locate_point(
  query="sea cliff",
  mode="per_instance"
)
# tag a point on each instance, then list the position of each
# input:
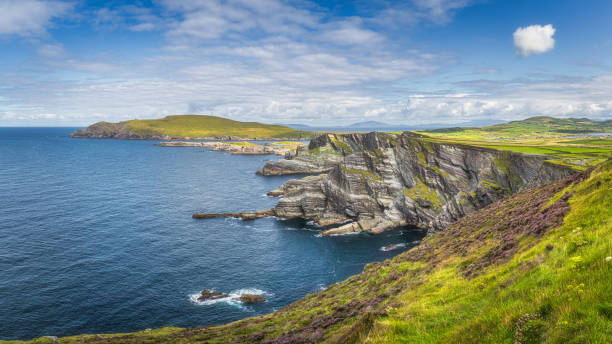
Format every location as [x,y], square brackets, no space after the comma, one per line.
[376,181]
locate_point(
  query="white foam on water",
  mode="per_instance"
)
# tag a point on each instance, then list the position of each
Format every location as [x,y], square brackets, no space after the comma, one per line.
[233,298]
[392,247]
[345,234]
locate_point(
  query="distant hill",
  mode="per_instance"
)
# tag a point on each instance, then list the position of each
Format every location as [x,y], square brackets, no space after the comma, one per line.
[369,124]
[540,126]
[381,126]
[188,126]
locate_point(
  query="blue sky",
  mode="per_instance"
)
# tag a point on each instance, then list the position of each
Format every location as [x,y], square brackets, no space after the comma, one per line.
[312,62]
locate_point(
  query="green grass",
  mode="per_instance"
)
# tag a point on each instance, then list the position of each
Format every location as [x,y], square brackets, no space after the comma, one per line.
[201,126]
[363,174]
[421,191]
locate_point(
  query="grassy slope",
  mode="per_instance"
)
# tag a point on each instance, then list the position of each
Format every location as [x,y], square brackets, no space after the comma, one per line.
[531,127]
[523,270]
[203,126]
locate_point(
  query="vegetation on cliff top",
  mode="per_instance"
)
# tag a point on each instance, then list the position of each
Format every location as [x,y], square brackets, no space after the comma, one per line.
[527,269]
[533,127]
[197,126]
[578,153]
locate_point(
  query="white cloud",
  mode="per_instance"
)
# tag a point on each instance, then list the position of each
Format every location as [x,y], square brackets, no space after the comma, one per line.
[534,39]
[349,33]
[211,19]
[142,27]
[29,17]
[51,50]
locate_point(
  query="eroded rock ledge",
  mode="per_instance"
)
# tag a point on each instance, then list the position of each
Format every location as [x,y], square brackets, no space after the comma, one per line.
[244,148]
[377,181]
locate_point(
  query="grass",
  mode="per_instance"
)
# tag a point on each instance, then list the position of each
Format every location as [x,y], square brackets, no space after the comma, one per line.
[537,135]
[363,174]
[578,153]
[542,127]
[422,192]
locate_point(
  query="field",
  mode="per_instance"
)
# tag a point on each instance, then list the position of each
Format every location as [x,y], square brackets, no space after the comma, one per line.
[535,127]
[538,135]
[579,153]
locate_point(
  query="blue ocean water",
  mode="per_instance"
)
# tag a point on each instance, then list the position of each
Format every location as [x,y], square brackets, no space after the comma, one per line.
[96,236]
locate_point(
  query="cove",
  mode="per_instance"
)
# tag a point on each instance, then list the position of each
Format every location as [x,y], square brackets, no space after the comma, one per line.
[97,237]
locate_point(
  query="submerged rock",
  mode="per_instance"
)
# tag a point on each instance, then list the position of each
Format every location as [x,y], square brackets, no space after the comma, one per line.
[245,215]
[251,298]
[206,295]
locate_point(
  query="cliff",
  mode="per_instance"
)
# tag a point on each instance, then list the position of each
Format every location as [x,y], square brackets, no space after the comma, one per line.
[372,182]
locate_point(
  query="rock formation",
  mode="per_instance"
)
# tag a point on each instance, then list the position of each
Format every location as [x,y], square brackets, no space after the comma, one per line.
[206,295]
[244,148]
[376,181]
[251,298]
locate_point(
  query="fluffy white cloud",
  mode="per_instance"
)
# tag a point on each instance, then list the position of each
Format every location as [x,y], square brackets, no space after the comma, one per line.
[29,17]
[534,39]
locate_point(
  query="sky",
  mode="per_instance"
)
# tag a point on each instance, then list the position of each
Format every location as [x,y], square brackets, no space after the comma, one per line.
[321,63]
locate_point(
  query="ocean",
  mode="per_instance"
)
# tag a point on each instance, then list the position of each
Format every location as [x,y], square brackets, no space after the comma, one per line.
[96,236]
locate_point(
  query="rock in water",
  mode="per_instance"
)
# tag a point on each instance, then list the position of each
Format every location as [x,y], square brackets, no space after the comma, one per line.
[251,298]
[211,295]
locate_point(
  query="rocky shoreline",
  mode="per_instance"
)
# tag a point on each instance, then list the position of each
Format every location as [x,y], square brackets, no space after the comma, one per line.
[375,182]
[287,148]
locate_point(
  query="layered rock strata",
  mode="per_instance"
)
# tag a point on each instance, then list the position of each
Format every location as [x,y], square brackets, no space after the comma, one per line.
[376,181]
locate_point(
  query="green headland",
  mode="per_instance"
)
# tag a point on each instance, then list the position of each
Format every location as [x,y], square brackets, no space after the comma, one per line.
[189,127]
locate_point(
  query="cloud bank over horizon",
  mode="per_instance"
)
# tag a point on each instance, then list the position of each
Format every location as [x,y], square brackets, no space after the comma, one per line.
[286,62]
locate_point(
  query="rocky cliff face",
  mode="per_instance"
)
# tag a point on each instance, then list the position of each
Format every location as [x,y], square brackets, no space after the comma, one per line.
[106,130]
[372,182]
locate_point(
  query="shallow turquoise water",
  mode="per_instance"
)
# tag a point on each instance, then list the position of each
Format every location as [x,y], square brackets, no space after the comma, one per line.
[96,236]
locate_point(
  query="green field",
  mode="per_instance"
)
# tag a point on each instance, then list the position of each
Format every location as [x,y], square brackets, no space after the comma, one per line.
[535,127]
[579,153]
[538,135]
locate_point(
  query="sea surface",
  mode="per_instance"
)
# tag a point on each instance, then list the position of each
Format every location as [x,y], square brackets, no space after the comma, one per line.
[96,236]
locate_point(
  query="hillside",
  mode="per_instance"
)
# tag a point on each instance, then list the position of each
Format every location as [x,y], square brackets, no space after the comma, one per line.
[534,127]
[188,127]
[530,268]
